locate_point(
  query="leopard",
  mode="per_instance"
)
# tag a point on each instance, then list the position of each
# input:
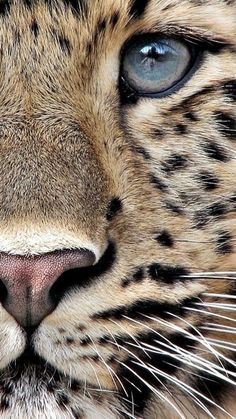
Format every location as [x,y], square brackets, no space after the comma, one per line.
[117,209]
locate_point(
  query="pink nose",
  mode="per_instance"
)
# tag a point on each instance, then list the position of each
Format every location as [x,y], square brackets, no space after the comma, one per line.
[26,282]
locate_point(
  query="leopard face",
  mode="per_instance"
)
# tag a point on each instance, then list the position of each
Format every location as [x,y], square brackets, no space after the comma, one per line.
[117,209]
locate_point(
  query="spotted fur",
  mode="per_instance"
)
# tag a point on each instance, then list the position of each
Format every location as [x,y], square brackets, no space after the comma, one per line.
[147,184]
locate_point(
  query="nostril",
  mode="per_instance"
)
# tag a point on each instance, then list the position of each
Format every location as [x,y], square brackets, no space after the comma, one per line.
[82,277]
[3,292]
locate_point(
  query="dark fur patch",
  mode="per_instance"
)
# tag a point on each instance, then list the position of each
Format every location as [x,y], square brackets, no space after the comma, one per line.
[115,18]
[215,151]
[62,399]
[141,150]
[174,208]
[140,308]
[138,8]
[167,273]
[227,124]
[158,183]
[174,162]
[229,89]
[35,28]
[65,44]
[191,116]
[203,216]
[180,129]
[115,206]
[136,277]
[224,243]
[165,239]
[4,7]
[208,180]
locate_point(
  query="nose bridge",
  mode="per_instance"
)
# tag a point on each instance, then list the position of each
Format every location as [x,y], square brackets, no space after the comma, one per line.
[52,173]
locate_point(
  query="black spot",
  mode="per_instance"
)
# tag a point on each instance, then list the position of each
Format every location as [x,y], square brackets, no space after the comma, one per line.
[77,6]
[125,282]
[167,273]
[208,180]
[61,330]
[7,389]
[158,133]
[102,25]
[216,152]
[103,340]
[227,124]
[230,89]
[85,341]
[140,308]
[82,277]
[158,183]
[218,209]
[138,8]
[115,18]
[165,239]
[203,216]
[4,403]
[141,150]
[89,48]
[224,243]
[70,340]
[180,129]
[194,99]
[65,44]
[174,162]
[75,385]
[4,7]
[62,399]
[174,208]
[138,275]
[191,116]
[35,28]
[115,206]
[52,387]
[77,414]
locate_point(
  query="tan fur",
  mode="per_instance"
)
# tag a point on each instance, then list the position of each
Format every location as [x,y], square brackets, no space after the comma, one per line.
[67,148]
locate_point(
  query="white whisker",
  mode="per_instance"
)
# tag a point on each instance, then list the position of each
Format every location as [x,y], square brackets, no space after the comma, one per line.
[202,339]
[229,296]
[221,330]
[186,387]
[209,313]
[154,390]
[220,306]
[221,326]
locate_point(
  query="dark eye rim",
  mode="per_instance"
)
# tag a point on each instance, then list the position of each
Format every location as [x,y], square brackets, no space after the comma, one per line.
[196,53]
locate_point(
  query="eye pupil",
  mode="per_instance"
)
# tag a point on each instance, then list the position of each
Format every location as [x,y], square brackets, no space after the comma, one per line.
[152,65]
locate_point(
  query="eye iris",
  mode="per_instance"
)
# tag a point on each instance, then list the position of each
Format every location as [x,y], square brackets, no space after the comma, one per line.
[155,65]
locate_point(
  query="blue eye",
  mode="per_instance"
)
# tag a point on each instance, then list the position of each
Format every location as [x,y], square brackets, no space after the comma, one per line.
[152,65]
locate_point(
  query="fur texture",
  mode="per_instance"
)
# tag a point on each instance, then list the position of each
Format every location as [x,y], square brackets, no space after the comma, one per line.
[149,186]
